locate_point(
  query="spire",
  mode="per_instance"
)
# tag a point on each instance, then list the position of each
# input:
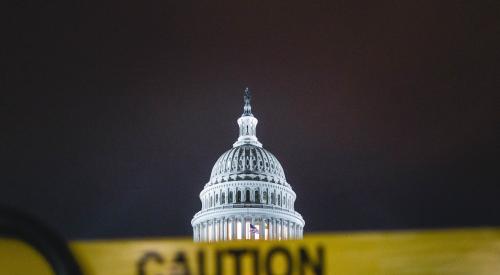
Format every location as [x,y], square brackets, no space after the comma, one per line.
[247,109]
[248,124]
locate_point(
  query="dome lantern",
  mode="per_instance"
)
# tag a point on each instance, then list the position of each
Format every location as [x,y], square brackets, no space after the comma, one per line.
[248,124]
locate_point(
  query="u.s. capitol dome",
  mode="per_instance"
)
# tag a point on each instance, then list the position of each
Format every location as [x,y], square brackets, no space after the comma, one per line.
[247,196]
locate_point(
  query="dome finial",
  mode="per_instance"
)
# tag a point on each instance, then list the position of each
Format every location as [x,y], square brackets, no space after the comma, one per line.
[247,109]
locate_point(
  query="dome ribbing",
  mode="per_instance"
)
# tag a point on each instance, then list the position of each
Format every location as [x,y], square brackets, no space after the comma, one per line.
[247,162]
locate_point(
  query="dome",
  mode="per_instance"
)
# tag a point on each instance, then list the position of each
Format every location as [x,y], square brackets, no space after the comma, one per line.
[247,196]
[247,162]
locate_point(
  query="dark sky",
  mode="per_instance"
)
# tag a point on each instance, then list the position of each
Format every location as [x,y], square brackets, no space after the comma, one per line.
[384,114]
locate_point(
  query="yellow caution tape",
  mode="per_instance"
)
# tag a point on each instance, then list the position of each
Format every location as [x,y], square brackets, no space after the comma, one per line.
[18,258]
[469,251]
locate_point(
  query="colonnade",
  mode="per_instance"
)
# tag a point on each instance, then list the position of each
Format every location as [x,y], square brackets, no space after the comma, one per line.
[240,228]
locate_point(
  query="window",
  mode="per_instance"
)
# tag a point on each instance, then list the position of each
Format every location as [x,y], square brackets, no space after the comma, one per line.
[230,199]
[273,198]
[257,196]
[279,200]
[210,201]
[265,197]
[238,196]
[216,198]
[247,196]
[223,198]
[238,230]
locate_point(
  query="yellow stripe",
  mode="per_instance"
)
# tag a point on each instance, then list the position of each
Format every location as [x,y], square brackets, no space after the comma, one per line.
[468,251]
[18,258]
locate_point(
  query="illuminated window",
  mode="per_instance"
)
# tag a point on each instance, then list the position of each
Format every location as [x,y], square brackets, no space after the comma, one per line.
[247,230]
[257,234]
[278,231]
[217,231]
[209,233]
[238,230]
[266,230]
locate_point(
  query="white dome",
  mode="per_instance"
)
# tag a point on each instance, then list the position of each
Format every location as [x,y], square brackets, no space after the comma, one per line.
[247,162]
[247,196]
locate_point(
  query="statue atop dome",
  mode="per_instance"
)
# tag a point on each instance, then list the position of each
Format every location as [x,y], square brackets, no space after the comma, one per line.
[247,109]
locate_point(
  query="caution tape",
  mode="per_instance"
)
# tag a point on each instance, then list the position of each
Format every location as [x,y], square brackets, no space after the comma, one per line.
[470,251]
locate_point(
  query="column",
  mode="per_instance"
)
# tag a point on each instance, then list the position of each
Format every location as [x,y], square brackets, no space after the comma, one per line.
[226,229]
[233,228]
[285,235]
[206,231]
[252,235]
[217,230]
[283,230]
[262,228]
[212,238]
[203,233]
[220,227]
[243,228]
[198,232]
[289,230]
[227,224]
[277,230]
[275,235]
[214,230]
[207,238]
[223,231]
[269,228]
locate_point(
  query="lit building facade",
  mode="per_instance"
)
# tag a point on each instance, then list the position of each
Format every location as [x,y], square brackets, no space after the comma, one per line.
[247,196]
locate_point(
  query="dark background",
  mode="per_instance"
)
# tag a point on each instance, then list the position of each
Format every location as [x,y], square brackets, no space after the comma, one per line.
[384,115]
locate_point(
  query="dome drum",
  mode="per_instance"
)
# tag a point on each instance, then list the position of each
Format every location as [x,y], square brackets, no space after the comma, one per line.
[247,192]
